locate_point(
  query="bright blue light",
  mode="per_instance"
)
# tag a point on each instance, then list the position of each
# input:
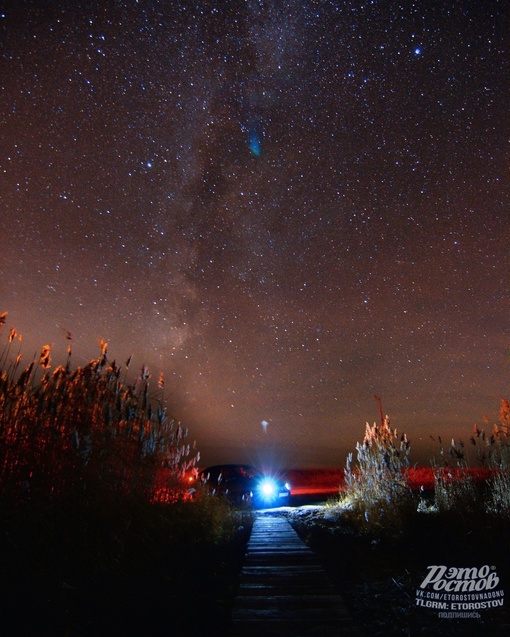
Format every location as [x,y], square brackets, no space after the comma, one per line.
[268,488]
[417,51]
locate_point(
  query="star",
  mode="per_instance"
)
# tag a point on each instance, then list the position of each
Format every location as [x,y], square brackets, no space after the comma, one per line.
[202,187]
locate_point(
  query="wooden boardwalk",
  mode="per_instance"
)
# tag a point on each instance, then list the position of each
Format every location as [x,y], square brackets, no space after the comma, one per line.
[284,590]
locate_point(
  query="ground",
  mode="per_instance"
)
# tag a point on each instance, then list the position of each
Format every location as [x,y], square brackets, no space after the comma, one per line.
[379,578]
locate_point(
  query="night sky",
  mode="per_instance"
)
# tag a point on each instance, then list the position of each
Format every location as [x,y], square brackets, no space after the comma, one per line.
[286,207]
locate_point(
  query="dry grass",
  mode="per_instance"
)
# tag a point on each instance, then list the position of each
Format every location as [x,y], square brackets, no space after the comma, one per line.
[498,502]
[458,489]
[86,430]
[376,496]
[98,533]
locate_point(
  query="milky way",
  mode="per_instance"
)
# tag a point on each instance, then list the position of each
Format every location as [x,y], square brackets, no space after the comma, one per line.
[287,207]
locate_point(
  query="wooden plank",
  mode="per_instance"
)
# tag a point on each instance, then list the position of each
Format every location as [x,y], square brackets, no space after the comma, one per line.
[284,590]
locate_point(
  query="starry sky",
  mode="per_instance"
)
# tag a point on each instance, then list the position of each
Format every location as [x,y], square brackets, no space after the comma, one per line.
[286,207]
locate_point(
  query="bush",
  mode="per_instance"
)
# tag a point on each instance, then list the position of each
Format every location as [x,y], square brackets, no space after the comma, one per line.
[498,453]
[453,485]
[377,496]
[86,431]
[459,490]
[98,533]
[126,567]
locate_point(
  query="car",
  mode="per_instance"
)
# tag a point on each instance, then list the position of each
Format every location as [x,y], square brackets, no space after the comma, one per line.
[244,484]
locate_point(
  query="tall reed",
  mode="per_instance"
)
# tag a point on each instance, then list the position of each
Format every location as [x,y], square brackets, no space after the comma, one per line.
[377,495]
[85,430]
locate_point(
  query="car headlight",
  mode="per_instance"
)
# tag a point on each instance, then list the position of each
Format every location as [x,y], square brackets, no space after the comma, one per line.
[267,488]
